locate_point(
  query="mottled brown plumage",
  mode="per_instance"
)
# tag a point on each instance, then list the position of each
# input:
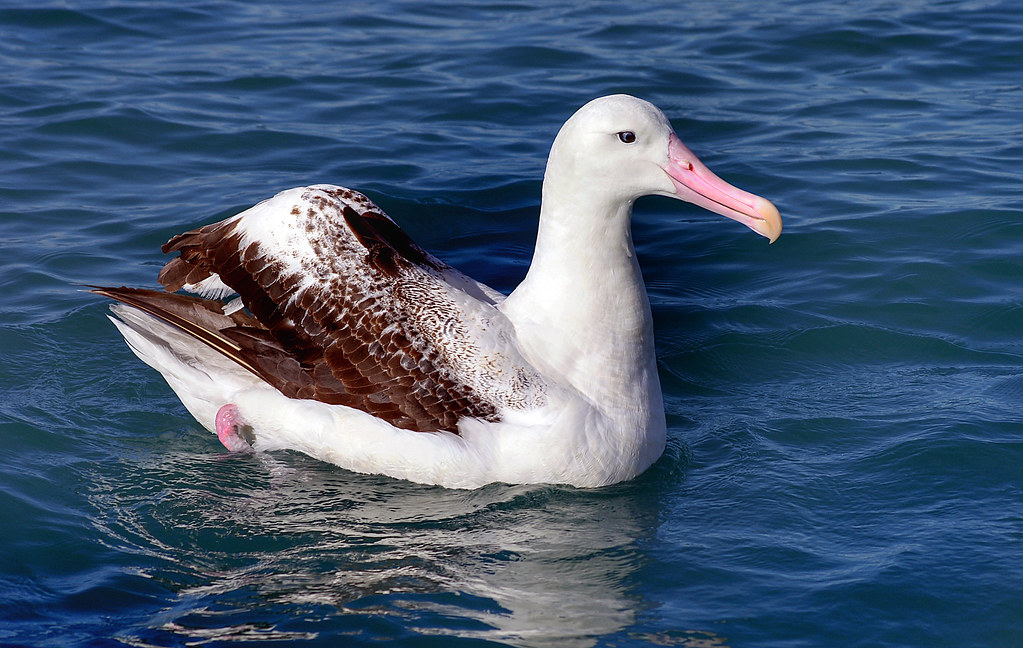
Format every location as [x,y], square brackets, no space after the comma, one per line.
[347,336]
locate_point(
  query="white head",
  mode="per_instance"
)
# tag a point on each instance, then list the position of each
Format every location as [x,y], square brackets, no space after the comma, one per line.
[621,148]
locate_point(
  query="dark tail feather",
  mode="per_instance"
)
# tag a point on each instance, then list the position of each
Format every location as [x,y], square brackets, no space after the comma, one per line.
[240,337]
[203,319]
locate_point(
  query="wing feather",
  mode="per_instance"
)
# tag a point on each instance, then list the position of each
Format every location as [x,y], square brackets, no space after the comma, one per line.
[345,308]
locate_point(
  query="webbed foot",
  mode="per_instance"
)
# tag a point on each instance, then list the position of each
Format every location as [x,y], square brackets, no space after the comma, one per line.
[233,430]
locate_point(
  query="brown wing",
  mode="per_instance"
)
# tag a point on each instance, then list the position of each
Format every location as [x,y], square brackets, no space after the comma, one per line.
[327,278]
[241,338]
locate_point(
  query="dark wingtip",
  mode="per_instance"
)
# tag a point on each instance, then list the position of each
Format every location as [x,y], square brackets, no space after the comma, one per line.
[388,245]
[103,291]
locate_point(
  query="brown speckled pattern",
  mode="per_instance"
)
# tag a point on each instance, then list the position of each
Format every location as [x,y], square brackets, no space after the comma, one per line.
[348,317]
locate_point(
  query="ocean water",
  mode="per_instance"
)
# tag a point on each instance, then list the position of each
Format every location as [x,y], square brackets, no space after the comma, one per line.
[845,407]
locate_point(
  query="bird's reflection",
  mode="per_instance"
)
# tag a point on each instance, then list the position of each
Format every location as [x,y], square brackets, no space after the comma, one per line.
[258,546]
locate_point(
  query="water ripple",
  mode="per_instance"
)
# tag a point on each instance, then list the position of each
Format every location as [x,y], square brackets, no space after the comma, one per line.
[843,405]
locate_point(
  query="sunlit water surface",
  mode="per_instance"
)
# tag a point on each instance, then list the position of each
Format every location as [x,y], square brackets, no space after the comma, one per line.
[845,460]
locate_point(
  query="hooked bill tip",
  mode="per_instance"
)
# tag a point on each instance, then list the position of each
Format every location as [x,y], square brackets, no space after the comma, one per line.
[769,219]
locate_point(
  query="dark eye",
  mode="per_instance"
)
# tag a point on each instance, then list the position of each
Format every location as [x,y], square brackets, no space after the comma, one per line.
[627,136]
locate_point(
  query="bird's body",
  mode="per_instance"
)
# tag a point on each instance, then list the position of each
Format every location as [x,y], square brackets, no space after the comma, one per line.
[359,348]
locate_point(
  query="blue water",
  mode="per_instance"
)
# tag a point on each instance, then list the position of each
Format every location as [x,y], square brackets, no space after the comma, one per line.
[845,407]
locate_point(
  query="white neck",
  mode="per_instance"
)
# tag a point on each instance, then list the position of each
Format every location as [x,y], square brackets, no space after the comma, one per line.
[582,311]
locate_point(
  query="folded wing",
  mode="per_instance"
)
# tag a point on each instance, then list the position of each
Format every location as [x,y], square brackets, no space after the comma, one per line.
[343,307]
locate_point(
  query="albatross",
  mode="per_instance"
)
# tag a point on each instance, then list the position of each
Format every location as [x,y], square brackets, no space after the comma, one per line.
[315,324]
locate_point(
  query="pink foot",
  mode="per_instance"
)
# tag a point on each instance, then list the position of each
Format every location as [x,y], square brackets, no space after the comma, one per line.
[232,429]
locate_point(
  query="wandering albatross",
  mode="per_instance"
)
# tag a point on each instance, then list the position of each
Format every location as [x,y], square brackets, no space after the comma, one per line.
[350,343]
